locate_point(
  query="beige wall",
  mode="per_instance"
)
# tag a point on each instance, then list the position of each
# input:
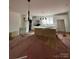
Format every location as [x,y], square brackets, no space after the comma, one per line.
[14,21]
[66,20]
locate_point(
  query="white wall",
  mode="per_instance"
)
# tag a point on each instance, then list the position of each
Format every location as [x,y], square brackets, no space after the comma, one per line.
[24,24]
[66,20]
[14,21]
[41,24]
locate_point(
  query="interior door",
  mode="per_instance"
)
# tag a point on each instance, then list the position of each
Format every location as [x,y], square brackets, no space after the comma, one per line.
[60,25]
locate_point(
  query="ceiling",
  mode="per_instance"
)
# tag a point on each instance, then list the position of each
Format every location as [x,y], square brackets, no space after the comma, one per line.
[39,7]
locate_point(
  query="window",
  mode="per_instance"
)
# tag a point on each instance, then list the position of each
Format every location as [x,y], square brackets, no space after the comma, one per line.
[47,21]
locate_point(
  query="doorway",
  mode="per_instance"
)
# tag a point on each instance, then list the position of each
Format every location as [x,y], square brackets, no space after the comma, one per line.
[61,25]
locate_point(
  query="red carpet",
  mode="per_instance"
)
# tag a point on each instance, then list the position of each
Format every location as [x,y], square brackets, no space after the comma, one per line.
[34,48]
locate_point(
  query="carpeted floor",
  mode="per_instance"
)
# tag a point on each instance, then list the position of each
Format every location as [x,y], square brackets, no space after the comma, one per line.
[64,37]
[35,48]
